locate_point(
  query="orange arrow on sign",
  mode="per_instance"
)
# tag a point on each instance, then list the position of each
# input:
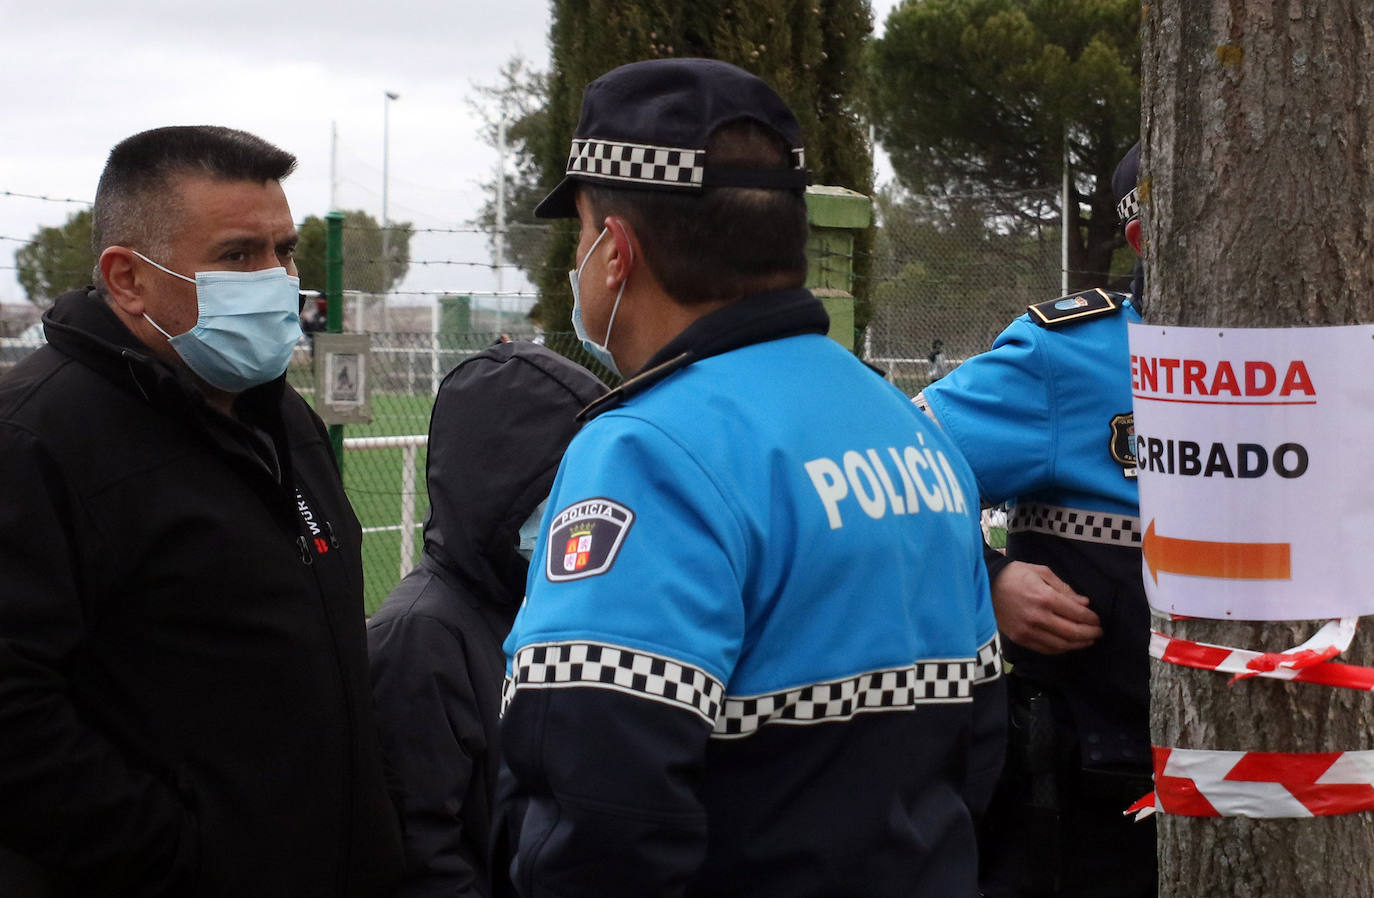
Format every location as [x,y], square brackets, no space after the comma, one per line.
[1227,561]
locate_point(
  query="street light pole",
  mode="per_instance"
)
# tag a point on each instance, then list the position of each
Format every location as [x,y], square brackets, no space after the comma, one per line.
[501,201]
[333,166]
[386,222]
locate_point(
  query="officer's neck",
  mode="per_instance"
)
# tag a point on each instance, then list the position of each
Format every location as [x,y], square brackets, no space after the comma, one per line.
[648,319]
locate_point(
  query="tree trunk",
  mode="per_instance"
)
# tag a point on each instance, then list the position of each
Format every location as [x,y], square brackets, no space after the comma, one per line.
[1258,189]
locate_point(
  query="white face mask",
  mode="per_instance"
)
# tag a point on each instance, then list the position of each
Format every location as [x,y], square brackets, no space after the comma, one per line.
[599,351]
[246,327]
[529,532]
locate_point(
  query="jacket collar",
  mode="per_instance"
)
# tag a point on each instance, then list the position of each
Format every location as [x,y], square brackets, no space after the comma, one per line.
[754,319]
[81,326]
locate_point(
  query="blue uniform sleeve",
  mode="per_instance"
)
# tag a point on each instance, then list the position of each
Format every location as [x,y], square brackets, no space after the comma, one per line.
[998,408]
[632,625]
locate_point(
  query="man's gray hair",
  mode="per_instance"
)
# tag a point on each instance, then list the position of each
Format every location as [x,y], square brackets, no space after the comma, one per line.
[135,205]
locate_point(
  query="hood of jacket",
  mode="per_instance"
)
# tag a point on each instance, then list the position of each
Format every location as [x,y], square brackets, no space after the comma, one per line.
[500,424]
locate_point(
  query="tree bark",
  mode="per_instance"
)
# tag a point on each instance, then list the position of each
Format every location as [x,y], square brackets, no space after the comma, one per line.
[1258,190]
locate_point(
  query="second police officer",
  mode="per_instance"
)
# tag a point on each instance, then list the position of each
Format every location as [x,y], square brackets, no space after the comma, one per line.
[757,654]
[1045,420]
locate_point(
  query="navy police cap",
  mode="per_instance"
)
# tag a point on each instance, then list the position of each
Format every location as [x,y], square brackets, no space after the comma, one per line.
[645,125]
[1124,181]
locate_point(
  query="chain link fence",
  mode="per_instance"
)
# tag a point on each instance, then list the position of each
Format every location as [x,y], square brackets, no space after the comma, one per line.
[384,461]
[945,284]
[940,288]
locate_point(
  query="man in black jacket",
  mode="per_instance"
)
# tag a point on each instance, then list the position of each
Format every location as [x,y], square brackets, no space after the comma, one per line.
[500,424]
[183,679]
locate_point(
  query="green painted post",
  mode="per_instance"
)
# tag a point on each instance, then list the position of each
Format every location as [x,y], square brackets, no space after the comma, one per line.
[834,214]
[333,291]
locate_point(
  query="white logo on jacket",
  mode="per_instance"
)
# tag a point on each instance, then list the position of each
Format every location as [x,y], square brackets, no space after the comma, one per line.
[923,477]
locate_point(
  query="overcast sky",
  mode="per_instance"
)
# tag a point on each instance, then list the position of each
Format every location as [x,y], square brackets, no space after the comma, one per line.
[80,75]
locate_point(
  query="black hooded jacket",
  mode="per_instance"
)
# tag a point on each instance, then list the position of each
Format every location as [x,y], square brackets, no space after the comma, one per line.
[184,704]
[499,427]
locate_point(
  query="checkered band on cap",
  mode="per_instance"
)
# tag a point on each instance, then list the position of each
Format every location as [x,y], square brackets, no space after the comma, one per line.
[562,665]
[929,682]
[1076,524]
[1128,206]
[612,160]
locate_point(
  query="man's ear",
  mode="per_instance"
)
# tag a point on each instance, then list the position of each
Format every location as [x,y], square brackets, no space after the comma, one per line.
[622,261]
[1133,235]
[121,277]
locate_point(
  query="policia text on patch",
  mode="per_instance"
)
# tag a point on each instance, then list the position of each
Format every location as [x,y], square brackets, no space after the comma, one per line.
[925,477]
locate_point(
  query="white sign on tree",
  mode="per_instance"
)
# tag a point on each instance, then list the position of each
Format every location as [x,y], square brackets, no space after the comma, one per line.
[1253,446]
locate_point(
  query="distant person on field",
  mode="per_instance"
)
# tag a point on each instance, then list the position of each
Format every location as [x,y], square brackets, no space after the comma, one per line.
[184,704]
[939,363]
[500,424]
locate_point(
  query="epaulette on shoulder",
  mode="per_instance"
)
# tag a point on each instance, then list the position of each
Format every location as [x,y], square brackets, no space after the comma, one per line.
[1092,303]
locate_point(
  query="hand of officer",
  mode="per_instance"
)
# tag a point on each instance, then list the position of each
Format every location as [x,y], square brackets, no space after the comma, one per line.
[1037,610]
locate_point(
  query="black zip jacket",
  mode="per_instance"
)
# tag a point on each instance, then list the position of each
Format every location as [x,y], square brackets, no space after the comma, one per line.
[183,683]
[500,424]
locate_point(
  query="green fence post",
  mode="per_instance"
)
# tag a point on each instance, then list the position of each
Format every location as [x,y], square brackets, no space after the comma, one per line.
[834,214]
[333,291]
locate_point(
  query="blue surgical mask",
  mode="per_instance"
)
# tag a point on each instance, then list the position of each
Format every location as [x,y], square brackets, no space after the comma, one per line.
[529,532]
[246,328]
[599,351]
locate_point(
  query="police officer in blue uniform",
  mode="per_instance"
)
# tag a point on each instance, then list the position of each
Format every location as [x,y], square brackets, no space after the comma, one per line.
[757,654]
[1045,420]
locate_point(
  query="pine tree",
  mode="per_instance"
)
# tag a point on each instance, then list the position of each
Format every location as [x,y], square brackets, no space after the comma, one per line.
[987,98]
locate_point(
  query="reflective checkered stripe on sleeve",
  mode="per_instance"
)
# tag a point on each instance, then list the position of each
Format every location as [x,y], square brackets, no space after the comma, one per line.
[927,682]
[562,665]
[989,661]
[1075,523]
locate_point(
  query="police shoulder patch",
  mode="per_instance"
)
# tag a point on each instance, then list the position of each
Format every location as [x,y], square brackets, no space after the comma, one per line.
[1075,307]
[1122,443]
[585,538]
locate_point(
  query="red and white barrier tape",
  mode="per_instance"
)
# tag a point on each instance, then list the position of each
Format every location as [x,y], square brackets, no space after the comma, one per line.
[1306,663]
[1194,783]
[1197,783]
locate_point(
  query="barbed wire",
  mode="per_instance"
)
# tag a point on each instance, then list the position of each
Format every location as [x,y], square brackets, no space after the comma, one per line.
[456,262]
[903,193]
[46,199]
[821,256]
[423,213]
[526,295]
[890,259]
[514,225]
